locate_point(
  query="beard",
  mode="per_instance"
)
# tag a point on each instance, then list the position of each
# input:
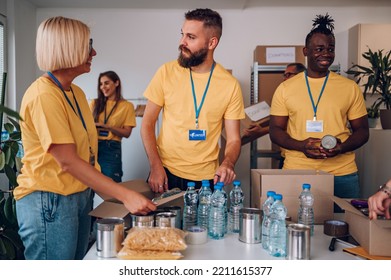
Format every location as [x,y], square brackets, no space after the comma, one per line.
[195,58]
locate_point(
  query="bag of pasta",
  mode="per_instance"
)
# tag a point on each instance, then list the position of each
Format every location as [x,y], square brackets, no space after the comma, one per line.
[155,239]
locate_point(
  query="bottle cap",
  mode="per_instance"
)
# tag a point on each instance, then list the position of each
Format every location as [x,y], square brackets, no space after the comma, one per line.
[236,183]
[306,186]
[190,184]
[270,193]
[329,142]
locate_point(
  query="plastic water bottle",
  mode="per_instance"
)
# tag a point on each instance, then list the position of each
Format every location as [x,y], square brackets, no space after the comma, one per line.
[225,208]
[204,204]
[236,198]
[277,235]
[190,207]
[266,219]
[306,211]
[217,210]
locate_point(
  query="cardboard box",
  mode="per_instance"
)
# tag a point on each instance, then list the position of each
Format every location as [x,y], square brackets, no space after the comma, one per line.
[278,55]
[111,207]
[373,236]
[289,184]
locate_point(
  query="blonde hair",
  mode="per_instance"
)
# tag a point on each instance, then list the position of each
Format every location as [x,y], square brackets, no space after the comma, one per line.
[62,43]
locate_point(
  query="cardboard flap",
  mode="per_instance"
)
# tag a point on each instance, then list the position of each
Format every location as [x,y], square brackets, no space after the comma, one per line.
[345,204]
[109,209]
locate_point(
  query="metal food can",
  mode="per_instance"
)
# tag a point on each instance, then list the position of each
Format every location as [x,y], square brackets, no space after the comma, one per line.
[143,220]
[177,210]
[109,236]
[250,225]
[165,219]
[298,242]
[329,142]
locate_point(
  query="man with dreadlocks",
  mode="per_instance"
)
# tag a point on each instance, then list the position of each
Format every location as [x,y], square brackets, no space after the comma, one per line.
[318,102]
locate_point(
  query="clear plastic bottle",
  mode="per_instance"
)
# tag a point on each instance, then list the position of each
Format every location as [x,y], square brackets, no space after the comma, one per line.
[266,219]
[217,213]
[190,206]
[277,235]
[236,198]
[225,208]
[305,214]
[204,204]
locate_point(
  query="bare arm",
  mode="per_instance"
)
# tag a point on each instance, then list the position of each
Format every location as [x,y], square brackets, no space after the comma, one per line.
[232,152]
[124,131]
[359,136]
[69,161]
[157,176]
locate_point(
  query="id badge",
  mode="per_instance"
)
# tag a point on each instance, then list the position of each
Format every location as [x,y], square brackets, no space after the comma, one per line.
[103,133]
[197,134]
[314,126]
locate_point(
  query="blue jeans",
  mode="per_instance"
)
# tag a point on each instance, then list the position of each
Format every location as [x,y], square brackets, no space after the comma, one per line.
[346,186]
[53,226]
[110,159]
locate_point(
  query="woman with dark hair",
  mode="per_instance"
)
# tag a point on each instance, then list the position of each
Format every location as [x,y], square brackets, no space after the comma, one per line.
[114,119]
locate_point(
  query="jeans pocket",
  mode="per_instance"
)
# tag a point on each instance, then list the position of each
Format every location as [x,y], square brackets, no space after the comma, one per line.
[49,205]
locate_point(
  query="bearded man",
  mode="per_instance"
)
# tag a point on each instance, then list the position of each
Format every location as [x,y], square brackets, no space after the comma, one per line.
[197,96]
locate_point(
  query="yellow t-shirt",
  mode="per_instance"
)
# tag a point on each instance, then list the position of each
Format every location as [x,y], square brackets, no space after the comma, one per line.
[123,115]
[341,101]
[49,119]
[171,89]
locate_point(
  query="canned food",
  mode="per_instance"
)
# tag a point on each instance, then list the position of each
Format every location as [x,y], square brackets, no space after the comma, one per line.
[329,142]
[165,219]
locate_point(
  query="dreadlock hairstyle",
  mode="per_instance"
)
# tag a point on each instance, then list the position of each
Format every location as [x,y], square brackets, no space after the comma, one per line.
[100,102]
[323,25]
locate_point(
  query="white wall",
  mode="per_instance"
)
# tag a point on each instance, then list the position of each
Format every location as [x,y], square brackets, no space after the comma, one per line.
[134,43]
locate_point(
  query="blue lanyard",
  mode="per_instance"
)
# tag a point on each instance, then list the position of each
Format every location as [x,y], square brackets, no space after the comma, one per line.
[69,102]
[197,110]
[315,107]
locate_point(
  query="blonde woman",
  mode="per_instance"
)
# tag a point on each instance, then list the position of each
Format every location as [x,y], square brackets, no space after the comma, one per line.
[60,141]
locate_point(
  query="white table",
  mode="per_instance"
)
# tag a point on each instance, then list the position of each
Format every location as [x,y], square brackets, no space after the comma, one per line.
[230,248]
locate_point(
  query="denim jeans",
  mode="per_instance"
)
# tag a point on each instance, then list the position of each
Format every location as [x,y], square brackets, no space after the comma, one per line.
[346,186]
[53,226]
[110,159]
[178,182]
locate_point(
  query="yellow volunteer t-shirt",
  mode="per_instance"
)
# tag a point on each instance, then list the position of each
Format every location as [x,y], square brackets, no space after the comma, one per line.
[49,119]
[123,115]
[171,89]
[341,101]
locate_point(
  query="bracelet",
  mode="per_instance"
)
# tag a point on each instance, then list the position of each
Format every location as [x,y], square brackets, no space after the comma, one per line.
[385,189]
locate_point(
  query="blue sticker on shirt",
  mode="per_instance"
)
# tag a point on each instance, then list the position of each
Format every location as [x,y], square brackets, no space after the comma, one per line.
[197,135]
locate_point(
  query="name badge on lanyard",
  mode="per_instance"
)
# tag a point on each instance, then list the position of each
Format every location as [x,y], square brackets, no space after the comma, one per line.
[197,134]
[314,126]
[103,133]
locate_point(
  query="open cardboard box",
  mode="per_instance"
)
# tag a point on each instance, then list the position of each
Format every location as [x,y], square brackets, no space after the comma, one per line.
[373,235]
[289,184]
[111,207]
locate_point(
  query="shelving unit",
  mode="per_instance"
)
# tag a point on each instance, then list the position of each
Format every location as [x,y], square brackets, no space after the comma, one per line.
[256,153]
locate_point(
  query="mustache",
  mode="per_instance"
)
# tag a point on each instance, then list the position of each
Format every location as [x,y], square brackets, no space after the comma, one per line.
[184,49]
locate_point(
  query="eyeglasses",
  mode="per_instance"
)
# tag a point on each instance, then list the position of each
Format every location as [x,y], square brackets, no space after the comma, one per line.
[90,46]
[287,75]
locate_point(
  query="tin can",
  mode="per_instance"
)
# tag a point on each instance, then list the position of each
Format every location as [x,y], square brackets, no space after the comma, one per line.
[250,225]
[329,142]
[143,221]
[109,236]
[298,242]
[165,219]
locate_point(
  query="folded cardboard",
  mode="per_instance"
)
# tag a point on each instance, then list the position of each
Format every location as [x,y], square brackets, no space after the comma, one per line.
[373,235]
[289,183]
[278,55]
[112,207]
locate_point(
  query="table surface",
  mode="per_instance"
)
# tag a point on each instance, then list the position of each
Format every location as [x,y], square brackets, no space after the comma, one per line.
[230,248]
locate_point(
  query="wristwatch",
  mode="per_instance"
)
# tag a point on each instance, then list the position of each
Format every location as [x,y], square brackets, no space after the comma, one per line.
[386,189]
